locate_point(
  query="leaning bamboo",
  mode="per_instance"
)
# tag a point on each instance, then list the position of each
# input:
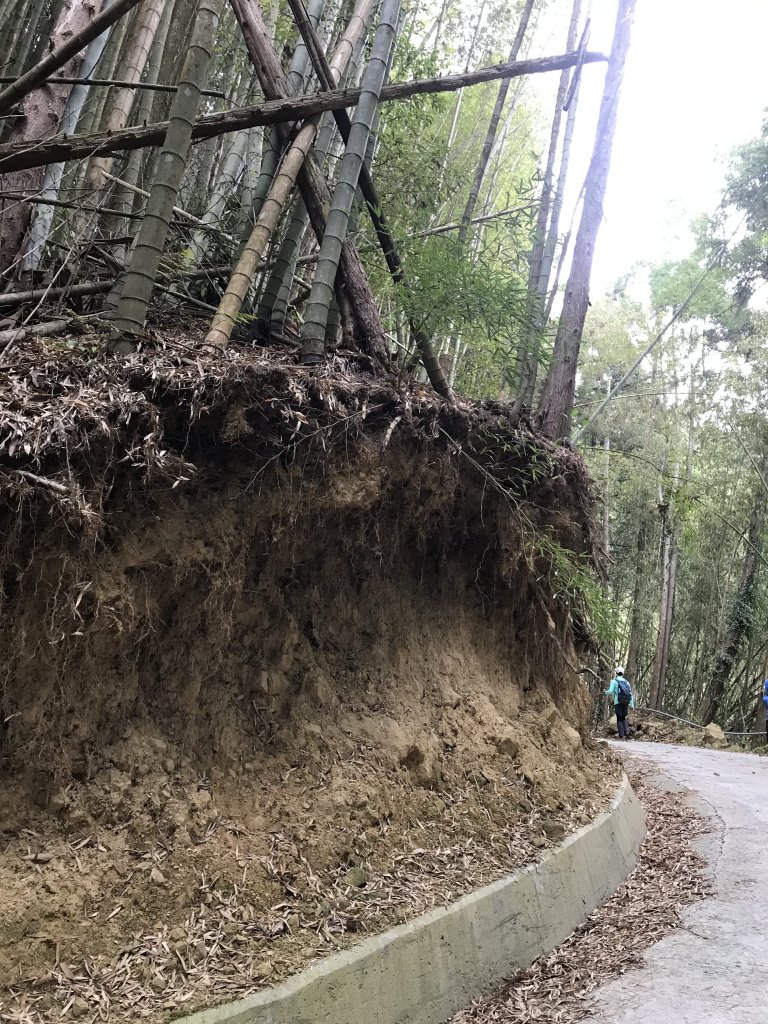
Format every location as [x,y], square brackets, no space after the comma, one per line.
[133,60]
[288,172]
[318,306]
[383,234]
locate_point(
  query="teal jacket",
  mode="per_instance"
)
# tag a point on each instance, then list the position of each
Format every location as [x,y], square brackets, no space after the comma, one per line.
[613,691]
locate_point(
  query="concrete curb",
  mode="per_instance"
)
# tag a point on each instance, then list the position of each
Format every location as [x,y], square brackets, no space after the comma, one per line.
[424,971]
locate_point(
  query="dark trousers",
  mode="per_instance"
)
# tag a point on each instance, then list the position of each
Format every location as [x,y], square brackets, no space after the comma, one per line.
[621,720]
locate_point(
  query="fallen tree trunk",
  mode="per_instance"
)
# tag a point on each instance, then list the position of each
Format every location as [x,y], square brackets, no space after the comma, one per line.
[19,156]
[36,294]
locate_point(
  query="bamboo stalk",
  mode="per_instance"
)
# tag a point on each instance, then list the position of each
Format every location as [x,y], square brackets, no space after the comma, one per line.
[384,236]
[318,306]
[43,330]
[292,168]
[150,241]
[145,86]
[35,294]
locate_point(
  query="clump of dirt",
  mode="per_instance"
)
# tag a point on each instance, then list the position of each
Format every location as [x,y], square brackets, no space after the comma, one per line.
[645,725]
[287,658]
[156,886]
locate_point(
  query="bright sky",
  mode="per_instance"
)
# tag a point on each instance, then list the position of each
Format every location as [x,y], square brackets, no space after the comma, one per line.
[696,85]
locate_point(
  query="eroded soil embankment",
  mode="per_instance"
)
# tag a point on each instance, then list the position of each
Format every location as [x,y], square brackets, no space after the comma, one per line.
[321,686]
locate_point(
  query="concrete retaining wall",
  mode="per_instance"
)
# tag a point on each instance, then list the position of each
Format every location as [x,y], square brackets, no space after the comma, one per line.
[424,971]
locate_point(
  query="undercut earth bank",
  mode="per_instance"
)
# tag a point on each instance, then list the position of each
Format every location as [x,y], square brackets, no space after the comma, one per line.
[288,658]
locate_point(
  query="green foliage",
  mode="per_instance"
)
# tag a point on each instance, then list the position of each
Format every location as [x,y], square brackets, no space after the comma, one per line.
[472,295]
[747,193]
[690,281]
[575,585]
[679,453]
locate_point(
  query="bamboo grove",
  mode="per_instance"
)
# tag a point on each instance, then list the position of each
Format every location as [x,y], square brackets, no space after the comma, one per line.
[382,178]
[365,174]
[672,412]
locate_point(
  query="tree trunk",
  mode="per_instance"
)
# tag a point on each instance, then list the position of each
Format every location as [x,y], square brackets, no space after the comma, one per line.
[93,106]
[317,309]
[493,125]
[557,202]
[146,255]
[557,398]
[42,216]
[120,101]
[41,111]
[529,352]
[76,26]
[739,619]
[668,584]
[636,617]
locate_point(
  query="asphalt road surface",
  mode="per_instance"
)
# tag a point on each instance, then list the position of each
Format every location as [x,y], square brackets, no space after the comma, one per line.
[714,968]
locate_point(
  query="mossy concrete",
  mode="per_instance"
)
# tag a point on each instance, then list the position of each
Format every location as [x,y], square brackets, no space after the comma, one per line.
[424,971]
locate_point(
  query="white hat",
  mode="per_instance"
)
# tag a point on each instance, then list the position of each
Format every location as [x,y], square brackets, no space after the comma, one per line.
[619,670]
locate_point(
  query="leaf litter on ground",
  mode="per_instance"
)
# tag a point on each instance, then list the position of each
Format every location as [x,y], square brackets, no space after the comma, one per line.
[669,876]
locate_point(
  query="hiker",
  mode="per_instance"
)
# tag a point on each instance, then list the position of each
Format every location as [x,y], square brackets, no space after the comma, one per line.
[765,702]
[623,700]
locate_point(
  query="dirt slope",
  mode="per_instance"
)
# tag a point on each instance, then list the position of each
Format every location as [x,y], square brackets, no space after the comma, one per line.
[286,660]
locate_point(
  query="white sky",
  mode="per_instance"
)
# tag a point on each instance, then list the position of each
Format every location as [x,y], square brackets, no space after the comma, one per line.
[696,85]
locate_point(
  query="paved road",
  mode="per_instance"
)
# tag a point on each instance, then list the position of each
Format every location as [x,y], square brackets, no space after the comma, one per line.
[714,968]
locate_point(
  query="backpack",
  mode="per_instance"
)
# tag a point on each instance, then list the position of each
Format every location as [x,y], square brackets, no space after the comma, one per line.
[623,692]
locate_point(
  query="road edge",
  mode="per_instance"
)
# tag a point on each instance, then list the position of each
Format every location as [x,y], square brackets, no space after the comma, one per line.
[424,971]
